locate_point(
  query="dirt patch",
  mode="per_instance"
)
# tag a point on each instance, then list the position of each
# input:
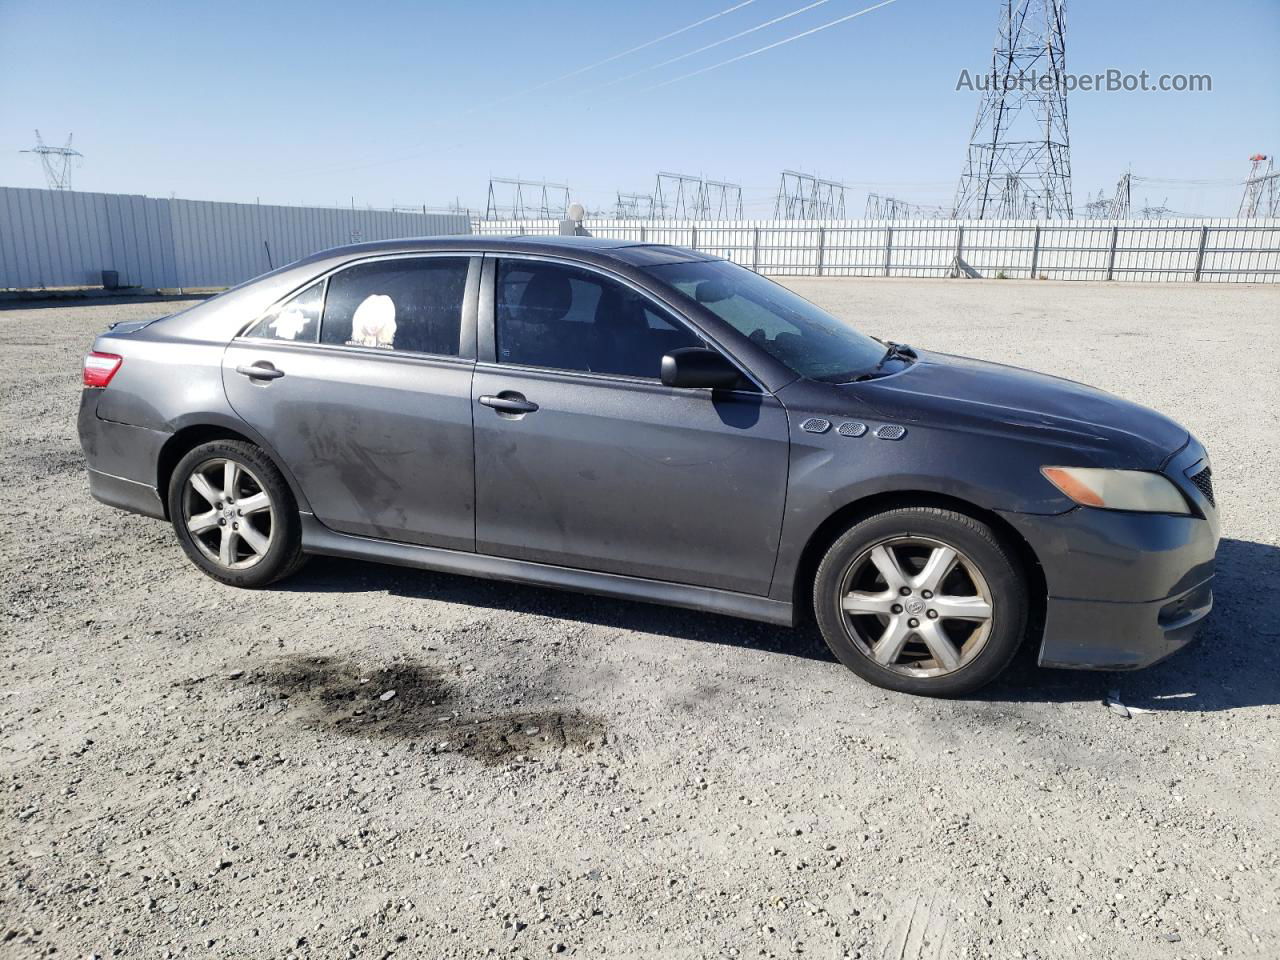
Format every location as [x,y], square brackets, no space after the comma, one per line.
[417,703]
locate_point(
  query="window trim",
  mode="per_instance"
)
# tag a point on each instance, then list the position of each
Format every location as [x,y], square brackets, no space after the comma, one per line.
[467,327]
[487,354]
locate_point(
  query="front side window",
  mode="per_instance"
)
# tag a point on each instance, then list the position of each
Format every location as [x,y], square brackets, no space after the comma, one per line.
[296,320]
[791,329]
[407,304]
[549,315]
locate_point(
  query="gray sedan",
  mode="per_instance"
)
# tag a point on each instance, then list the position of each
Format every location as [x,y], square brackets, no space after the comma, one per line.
[648,422]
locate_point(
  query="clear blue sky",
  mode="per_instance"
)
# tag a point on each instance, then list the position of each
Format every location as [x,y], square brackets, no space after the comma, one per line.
[412,103]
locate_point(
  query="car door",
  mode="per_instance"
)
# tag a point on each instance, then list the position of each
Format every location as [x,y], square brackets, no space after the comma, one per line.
[362,385]
[584,459]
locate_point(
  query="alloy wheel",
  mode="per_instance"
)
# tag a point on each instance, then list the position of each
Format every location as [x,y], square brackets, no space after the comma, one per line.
[228,513]
[916,606]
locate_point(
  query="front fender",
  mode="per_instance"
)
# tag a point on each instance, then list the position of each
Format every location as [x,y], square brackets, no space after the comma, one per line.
[829,471]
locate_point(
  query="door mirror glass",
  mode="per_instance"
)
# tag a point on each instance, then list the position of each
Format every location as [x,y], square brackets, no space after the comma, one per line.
[698,367]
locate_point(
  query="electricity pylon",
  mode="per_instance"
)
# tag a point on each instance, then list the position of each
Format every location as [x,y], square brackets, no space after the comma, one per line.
[1020,152]
[56,162]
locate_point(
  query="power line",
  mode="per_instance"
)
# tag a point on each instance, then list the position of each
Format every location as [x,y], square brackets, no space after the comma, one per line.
[771,46]
[709,46]
[1220,182]
[643,46]
[539,86]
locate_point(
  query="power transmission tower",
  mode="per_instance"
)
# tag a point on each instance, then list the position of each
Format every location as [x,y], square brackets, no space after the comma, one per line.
[802,196]
[1261,190]
[891,208]
[721,201]
[634,206]
[1115,207]
[56,162]
[1099,208]
[1122,202]
[526,199]
[1149,212]
[1021,127]
[677,196]
[681,196]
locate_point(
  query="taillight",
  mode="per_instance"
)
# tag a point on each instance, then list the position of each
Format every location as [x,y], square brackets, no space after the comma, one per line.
[99,368]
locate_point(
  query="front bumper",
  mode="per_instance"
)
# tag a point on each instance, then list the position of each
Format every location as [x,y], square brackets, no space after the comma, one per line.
[1110,635]
[1125,590]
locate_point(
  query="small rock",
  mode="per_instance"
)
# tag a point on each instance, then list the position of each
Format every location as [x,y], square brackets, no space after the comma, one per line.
[387,696]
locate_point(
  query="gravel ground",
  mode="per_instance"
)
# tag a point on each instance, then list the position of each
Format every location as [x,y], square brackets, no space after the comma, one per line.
[192,770]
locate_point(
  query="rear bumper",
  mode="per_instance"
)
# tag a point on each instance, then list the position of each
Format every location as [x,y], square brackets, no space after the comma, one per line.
[1125,590]
[123,460]
[126,494]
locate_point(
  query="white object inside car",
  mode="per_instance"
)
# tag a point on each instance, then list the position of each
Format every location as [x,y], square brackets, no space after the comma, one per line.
[374,322]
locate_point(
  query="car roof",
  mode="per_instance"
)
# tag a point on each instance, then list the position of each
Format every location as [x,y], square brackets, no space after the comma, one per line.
[590,249]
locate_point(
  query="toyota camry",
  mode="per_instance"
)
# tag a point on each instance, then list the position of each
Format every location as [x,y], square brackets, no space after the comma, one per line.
[646,421]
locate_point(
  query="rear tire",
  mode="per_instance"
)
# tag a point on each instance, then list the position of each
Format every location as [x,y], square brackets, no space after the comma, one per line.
[921,600]
[235,515]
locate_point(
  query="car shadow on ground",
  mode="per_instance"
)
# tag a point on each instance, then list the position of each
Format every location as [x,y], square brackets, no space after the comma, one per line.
[1234,663]
[330,574]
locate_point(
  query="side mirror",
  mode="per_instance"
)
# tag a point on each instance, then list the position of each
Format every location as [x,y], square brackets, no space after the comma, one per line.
[698,367]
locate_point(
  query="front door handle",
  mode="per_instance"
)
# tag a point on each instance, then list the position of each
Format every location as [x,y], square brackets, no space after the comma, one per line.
[509,402]
[260,371]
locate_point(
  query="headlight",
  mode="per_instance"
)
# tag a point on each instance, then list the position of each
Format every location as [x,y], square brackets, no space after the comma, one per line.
[1118,489]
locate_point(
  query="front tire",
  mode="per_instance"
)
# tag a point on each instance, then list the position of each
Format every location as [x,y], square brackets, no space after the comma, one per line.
[921,600]
[235,515]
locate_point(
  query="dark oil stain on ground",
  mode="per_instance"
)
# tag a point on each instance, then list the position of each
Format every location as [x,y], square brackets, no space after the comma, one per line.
[338,696]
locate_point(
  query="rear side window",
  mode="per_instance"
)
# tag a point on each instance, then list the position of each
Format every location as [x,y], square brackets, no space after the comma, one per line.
[549,315]
[296,320]
[413,305]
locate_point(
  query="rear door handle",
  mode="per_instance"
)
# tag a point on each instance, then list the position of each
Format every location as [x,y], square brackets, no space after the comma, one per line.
[511,403]
[260,371]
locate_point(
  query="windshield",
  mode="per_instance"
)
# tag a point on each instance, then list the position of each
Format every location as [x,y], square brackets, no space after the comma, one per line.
[808,340]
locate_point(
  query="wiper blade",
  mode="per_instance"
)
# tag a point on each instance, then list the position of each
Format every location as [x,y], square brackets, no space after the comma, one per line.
[900,350]
[893,351]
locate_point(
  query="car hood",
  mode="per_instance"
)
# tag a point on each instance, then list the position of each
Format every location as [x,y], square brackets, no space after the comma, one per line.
[958,392]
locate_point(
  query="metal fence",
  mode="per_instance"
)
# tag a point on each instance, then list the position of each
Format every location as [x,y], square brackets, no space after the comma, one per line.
[57,238]
[1241,251]
[63,238]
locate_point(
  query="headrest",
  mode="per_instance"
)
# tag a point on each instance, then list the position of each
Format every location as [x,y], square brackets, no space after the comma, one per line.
[617,312]
[546,298]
